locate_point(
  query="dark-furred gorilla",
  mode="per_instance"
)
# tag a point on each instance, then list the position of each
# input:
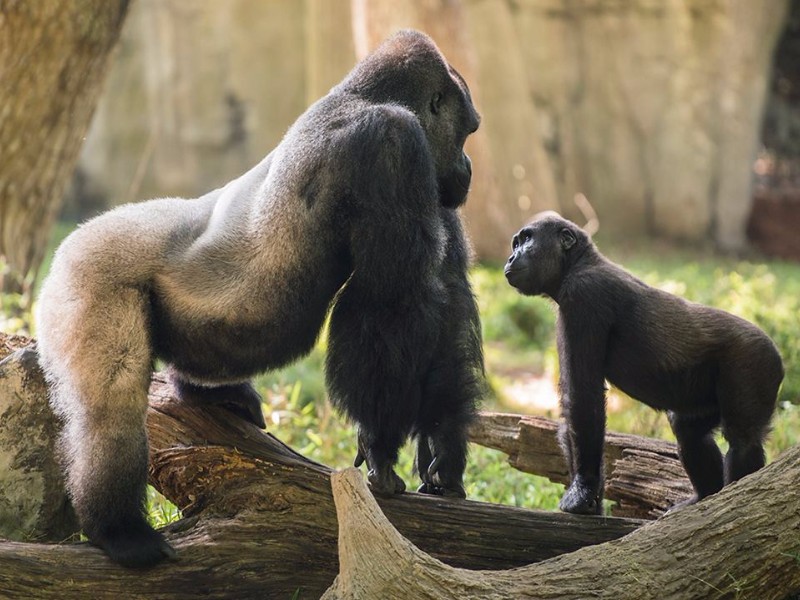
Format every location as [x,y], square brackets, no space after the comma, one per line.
[704,366]
[355,208]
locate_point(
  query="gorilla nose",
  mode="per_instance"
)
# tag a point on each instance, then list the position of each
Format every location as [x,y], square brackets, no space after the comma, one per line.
[507,270]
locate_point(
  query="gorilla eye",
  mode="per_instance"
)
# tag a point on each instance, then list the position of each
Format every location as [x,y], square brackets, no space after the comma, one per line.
[436,102]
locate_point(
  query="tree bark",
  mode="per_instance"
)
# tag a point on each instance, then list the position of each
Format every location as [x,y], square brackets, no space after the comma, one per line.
[643,475]
[259,519]
[739,543]
[54,57]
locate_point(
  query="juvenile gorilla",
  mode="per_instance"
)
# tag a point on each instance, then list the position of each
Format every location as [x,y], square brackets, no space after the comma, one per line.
[705,366]
[357,205]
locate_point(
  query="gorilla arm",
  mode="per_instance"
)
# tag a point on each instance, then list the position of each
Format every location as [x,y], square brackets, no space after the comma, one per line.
[582,391]
[386,321]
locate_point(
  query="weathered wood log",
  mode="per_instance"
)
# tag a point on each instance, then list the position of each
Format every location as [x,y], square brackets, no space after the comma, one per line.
[33,503]
[739,543]
[259,520]
[643,475]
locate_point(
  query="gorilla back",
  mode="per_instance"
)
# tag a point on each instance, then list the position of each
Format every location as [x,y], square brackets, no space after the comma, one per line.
[356,203]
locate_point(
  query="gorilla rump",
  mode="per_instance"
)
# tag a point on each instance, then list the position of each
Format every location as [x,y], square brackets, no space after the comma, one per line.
[705,366]
[356,205]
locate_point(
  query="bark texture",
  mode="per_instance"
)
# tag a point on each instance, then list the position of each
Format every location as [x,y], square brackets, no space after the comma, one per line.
[33,503]
[53,60]
[722,547]
[644,476]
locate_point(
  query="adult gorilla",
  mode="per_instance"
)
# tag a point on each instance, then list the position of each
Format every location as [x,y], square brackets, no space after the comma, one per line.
[353,206]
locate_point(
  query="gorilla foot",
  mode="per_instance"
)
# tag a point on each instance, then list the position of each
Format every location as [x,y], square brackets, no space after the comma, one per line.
[241,399]
[581,499]
[385,482]
[683,503]
[436,481]
[452,491]
[138,549]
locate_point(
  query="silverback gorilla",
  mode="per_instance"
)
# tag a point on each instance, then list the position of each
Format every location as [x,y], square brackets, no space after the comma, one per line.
[355,208]
[705,366]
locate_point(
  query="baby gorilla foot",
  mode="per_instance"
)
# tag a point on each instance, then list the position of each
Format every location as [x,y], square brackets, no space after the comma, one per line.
[136,548]
[241,399]
[581,499]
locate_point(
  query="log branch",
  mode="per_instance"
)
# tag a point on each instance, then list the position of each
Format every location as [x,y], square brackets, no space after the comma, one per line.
[643,475]
[739,543]
[260,519]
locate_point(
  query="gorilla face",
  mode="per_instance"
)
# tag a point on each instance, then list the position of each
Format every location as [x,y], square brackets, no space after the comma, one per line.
[410,70]
[453,119]
[539,252]
[454,185]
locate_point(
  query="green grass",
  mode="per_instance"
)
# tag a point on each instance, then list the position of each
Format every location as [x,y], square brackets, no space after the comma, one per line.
[519,342]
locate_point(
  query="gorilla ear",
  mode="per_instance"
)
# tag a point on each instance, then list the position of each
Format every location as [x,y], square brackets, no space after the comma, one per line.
[567,238]
[436,103]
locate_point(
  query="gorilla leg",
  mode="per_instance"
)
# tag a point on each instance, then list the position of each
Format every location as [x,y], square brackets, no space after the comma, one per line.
[107,483]
[449,399]
[455,380]
[97,359]
[699,454]
[447,459]
[566,447]
[241,398]
[747,403]
[423,461]
[380,451]
[373,372]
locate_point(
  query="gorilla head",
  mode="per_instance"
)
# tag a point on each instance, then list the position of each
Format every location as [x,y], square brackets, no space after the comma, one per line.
[541,253]
[408,69]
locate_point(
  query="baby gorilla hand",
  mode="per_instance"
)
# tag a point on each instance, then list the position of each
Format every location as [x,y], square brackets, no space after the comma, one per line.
[581,499]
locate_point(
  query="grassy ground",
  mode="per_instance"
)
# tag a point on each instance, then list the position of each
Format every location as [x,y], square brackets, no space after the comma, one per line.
[522,366]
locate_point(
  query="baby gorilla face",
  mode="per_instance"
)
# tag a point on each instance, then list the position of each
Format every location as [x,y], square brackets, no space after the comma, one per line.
[538,255]
[520,268]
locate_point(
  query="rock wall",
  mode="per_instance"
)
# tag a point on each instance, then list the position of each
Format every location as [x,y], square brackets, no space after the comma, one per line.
[651,108]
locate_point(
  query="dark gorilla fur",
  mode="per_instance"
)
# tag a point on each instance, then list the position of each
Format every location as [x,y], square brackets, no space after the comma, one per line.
[706,367]
[356,208]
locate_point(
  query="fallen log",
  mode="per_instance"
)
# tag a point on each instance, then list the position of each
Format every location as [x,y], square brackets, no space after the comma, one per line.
[644,476]
[739,543]
[259,519]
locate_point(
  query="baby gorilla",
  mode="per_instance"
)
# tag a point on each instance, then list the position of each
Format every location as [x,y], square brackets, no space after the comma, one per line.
[704,366]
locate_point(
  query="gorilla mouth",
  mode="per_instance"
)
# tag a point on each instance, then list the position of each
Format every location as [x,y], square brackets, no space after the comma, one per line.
[513,276]
[464,181]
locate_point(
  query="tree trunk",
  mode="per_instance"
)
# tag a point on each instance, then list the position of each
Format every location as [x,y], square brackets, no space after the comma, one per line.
[259,519]
[644,476]
[54,57]
[739,543]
